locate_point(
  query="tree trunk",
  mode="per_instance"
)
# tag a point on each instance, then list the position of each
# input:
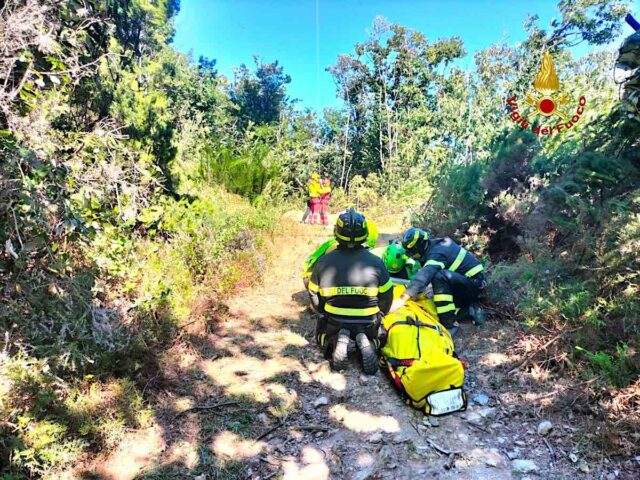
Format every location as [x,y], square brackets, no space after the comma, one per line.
[343,182]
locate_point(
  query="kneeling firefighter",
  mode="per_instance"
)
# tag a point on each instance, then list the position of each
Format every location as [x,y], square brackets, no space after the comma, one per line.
[350,288]
[330,245]
[456,276]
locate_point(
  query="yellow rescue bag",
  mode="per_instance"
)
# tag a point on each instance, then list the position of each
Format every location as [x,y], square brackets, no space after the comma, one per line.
[419,354]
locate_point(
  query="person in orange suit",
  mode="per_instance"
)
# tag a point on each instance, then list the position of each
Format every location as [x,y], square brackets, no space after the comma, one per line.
[325,196]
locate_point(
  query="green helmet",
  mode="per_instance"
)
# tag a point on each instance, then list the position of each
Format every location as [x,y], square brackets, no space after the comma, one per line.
[394,257]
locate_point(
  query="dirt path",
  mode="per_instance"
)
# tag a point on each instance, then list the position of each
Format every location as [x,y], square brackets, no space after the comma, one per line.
[253,398]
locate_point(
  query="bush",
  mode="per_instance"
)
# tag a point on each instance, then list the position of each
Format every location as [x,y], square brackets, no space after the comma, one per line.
[71,331]
[456,202]
[47,423]
[213,242]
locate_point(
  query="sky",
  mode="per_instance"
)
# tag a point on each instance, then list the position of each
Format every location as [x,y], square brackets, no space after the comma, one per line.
[306,36]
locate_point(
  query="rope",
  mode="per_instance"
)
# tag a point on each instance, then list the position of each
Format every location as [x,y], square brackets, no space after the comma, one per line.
[317,52]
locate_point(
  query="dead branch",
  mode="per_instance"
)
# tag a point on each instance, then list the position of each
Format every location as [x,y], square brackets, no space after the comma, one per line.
[204,407]
[440,449]
[269,461]
[312,428]
[541,349]
[550,448]
[478,427]
[27,74]
[450,462]
[434,445]
[15,223]
[415,428]
[271,430]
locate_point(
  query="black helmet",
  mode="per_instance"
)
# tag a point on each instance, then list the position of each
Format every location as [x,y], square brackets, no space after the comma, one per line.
[351,228]
[415,241]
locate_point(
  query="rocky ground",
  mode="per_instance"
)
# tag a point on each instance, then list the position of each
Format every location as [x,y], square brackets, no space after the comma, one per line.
[251,397]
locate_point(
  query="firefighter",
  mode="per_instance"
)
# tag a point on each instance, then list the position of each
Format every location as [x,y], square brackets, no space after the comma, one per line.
[330,245]
[351,290]
[456,275]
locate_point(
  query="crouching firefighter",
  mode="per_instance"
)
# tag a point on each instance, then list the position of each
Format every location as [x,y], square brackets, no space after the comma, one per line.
[330,245]
[351,290]
[456,275]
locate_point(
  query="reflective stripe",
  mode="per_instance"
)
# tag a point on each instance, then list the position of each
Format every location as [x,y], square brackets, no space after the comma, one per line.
[322,337]
[306,274]
[351,312]
[442,297]
[435,262]
[313,287]
[475,270]
[340,222]
[458,261]
[348,239]
[447,308]
[331,291]
[386,286]
[416,236]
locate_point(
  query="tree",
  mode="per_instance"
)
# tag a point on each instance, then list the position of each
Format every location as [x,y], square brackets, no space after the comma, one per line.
[393,74]
[259,96]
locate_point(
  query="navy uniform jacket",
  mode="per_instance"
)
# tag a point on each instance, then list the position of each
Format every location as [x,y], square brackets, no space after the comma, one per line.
[443,254]
[351,285]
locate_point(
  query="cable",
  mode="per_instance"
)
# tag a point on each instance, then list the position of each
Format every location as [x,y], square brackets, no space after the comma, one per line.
[317,52]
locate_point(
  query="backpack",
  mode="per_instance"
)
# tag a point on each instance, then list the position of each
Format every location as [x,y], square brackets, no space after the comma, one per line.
[420,357]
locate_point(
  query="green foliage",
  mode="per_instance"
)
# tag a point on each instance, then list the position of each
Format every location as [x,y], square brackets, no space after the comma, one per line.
[117,156]
[457,199]
[245,170]
[112,235]
[617,368]
[560,213]
[48,424]
[390,86]
[213,244]
[261,96]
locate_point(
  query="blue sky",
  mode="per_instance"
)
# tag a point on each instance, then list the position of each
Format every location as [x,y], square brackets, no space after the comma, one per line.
[231,31]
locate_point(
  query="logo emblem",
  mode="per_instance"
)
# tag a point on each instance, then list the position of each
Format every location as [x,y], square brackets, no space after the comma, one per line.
[546,84]
[546,103]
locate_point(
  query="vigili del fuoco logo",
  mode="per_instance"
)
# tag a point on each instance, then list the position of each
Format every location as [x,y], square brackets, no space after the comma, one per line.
[547,104]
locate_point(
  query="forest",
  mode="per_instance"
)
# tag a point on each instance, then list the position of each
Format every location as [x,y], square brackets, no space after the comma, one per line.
[139,188]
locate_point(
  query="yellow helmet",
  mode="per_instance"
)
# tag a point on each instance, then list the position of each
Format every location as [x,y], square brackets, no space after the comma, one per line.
[315,176]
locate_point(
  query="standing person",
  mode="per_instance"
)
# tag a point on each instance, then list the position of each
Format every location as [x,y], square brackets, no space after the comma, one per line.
[307,212]
[313,189]
[456,276]
[325,196]
[350,288]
